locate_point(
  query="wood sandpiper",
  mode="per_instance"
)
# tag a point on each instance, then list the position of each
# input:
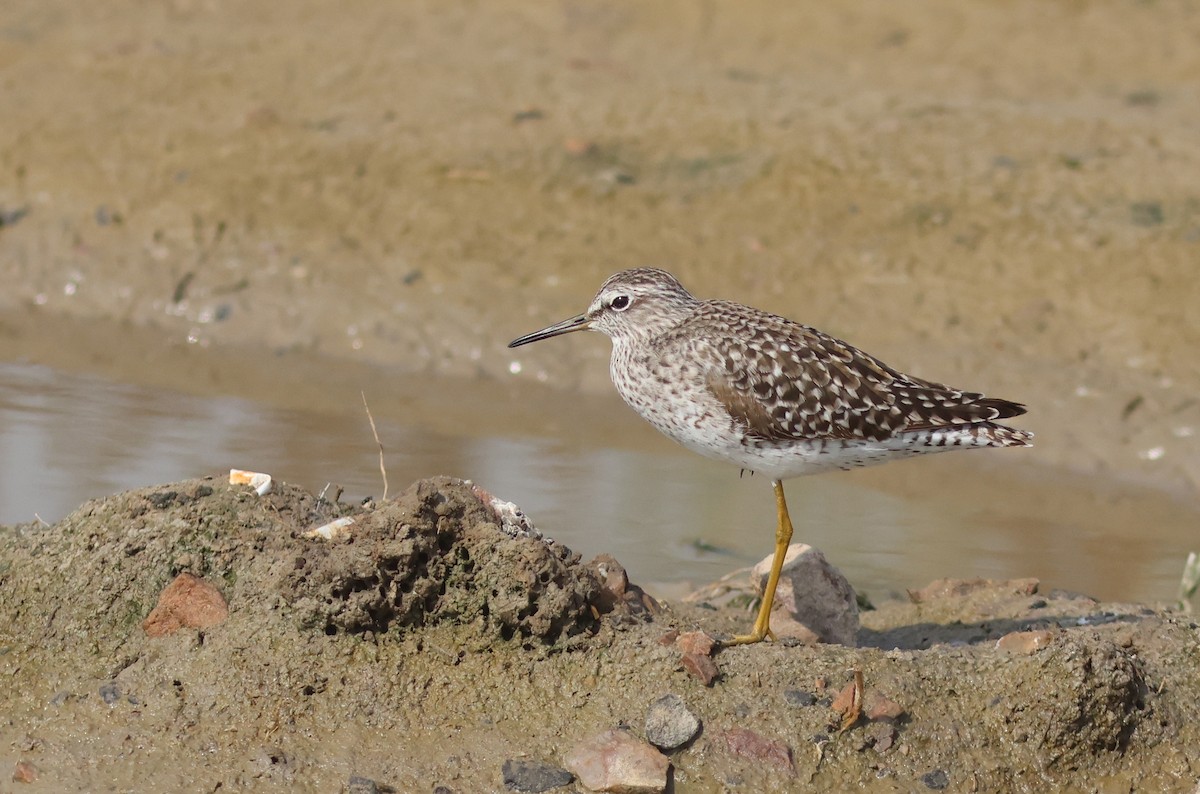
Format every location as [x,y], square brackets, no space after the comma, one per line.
[770,395]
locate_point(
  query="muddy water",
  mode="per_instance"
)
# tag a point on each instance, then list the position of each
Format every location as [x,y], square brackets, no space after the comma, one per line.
[608,486]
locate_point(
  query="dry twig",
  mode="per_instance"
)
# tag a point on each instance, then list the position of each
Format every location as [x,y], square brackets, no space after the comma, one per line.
[374,432]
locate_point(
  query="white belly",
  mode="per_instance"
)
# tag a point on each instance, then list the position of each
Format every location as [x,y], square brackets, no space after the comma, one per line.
[687,412]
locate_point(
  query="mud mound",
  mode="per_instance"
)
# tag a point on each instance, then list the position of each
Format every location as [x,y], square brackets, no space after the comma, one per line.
[108,561]
[437,553]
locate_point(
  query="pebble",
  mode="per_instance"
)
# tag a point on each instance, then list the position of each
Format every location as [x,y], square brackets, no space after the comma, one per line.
[669,723]
[701,667]
[756,747]
[881,736]
[362,785]
[110,692]
[696,642]
[879,707]
[616,761]
[24,772]
[533,776]
[814,602]
[616,589]
[798,697]
[187,601]
[936,780]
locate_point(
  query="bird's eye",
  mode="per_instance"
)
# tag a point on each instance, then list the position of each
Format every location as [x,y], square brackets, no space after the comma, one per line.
[620,303]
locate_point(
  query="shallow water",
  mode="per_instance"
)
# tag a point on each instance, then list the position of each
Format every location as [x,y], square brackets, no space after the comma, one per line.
[669,516]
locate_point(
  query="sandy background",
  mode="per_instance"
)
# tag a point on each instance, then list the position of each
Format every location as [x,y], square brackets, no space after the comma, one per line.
[999,195]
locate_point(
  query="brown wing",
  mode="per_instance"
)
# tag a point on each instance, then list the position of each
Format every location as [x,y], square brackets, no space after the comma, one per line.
[782,380]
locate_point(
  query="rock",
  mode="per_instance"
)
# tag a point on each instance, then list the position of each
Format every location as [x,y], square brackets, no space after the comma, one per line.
[362,785]
[879,707]
[881,736]
[669,723]
[616,589]
[798,697]
[702,668]
[696,642]
[24,772]
[697,650]
[936,780]
[533,776]
[813,601]
[756,747]
[110,692]
[187,601]
[616,761]
[669,638]
[1024,642]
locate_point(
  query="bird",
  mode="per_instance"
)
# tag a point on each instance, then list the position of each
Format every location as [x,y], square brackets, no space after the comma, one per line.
[770,395]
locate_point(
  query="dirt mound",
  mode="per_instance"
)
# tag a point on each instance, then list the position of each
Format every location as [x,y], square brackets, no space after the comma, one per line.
[438,553]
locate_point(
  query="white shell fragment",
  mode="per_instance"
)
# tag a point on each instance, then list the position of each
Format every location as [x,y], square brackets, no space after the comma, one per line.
[256,479]
[334,530]
[513,521]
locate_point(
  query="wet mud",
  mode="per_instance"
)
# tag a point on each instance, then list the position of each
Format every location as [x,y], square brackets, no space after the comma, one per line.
[429,646]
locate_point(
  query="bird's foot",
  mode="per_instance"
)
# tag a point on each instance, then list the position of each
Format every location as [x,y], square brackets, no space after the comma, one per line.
[757,634]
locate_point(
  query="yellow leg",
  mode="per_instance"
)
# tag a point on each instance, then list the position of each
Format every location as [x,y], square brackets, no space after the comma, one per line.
[783,536]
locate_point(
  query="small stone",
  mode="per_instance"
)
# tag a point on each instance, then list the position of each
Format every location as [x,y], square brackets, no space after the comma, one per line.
[362,785]
[669,723]
[756,747]
[110,692]
[187,601]
[696,642]
[936,780]
[616,761]
[613,577]
[24,772]
[1024,642]
[881,736]
[669,638]
[798,697]
[617,591]
[813,601]
[702,668]
[879,707]
[533,776]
